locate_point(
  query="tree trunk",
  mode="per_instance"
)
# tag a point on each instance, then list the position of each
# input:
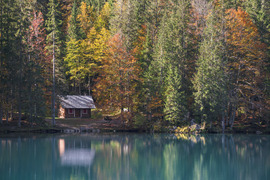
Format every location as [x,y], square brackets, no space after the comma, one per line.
[148,110]
[11,113]
[1,114]
[121,117]
[35,111]
[20,81]
[1,37]
[53,93]
[31,117]
[74,86]
[1,60]
[227,117]
[80,88]
[230,113]
[89,86]
[30,106]
[232,116]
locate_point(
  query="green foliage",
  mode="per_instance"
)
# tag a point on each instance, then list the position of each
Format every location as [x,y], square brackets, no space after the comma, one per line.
[140,120]
[170,61]
[53,25]
[56,39]
[96,114]
[175,105]
[210,80]
[74,29]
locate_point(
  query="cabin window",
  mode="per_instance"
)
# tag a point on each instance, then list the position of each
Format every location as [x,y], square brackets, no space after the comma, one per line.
[84,111]
[70,111]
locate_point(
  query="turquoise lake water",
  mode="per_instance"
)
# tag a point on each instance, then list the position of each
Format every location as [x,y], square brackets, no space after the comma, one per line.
[134,156]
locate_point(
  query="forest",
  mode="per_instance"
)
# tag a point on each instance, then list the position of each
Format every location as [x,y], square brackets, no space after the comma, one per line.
[155,62]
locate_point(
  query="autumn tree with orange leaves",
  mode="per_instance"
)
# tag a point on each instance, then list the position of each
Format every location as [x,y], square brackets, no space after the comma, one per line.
[246,61]
[115,88]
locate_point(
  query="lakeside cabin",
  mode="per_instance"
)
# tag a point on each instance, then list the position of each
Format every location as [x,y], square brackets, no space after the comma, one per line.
[73,106]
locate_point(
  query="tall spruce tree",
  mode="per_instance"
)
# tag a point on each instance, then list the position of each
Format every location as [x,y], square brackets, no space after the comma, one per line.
[37,65]
[175,104]
[171,57]
[1,59]
[73,25]
[155,74]
[53,27]
[210,81]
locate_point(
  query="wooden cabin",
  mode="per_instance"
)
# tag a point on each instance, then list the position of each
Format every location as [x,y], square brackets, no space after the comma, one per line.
[73,106]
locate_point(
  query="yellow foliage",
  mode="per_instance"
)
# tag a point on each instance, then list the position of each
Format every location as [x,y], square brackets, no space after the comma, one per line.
[86,17]
[103,18]
[184,129]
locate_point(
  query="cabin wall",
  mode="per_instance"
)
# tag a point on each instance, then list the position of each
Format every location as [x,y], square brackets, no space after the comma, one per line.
[67,115]
[77,113]
[88,115]
[64,113]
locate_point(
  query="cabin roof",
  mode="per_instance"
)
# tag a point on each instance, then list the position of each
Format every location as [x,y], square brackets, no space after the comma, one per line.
[77,102]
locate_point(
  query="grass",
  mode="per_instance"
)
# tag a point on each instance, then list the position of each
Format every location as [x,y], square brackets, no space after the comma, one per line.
[75,122]
[49,117]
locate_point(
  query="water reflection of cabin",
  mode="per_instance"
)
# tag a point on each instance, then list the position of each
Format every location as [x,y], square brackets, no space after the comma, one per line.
[72,106]
[76,152]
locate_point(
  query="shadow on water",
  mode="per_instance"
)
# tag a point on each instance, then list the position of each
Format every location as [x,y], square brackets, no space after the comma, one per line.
[135,156]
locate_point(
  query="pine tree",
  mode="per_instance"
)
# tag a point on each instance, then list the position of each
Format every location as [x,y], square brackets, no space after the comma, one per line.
[171,57]
[14,23]
[1,60]
[37,67]
[124,22]
[210,81]
[73,25]
[175,104]
[154,76]
[53,27]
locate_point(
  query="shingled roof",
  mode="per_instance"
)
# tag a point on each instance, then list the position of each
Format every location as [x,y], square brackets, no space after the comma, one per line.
[77,102]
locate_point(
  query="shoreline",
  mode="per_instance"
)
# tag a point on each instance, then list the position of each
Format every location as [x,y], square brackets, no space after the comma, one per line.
[69,126]
[73,130]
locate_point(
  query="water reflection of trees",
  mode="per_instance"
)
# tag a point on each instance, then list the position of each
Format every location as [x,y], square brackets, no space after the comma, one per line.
[135,156]
[226,157]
